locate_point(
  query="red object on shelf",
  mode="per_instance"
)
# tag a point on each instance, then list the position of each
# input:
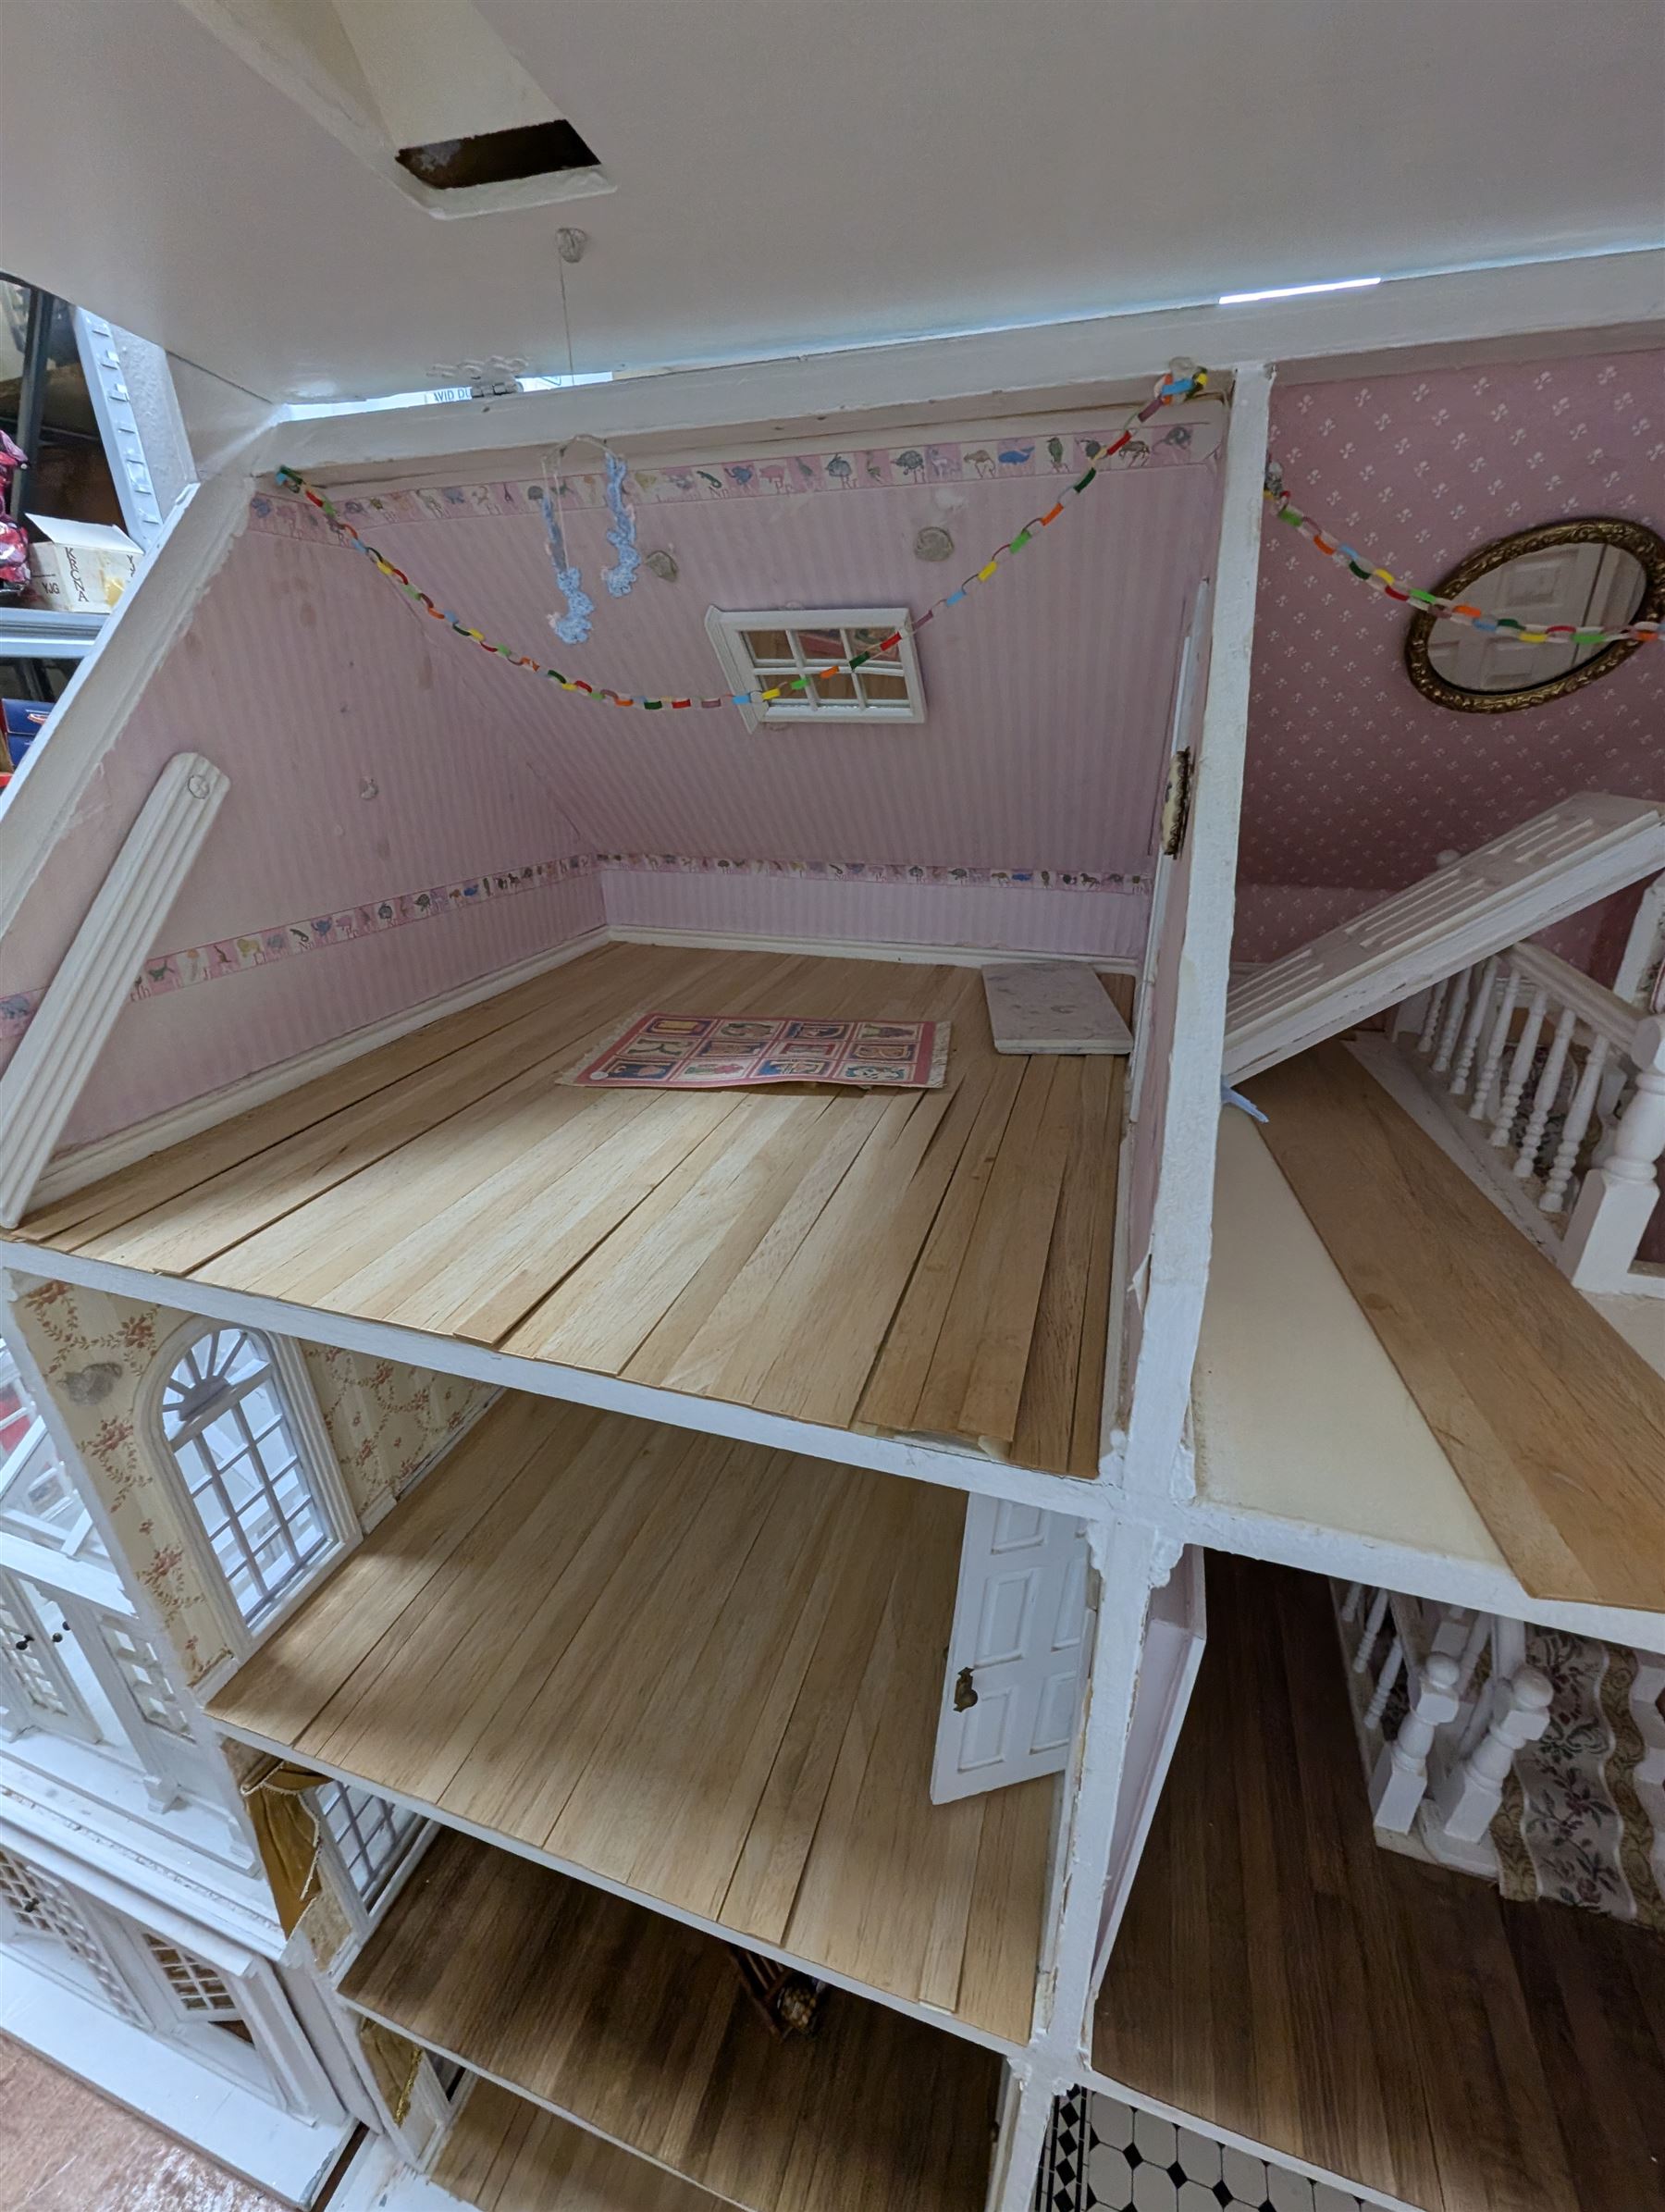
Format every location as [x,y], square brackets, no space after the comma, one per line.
[14,545]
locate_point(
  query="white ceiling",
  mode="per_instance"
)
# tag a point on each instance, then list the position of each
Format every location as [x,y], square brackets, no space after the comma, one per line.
[790,177]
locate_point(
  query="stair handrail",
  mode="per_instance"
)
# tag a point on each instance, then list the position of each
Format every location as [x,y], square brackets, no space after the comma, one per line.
[1497,1042]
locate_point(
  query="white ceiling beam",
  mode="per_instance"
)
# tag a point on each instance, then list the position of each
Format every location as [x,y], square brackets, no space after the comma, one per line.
[1523,311]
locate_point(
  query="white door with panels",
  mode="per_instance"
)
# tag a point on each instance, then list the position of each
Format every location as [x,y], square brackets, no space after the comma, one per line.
[1017,1652]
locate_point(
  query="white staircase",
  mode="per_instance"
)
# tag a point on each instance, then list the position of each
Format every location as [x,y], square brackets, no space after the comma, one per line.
[1536,874]
[1528,1757]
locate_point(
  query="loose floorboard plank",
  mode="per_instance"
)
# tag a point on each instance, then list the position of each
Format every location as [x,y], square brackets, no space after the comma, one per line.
[1555,1426]
[639,2028]
[801,1250]
[84,1217]
[1056,1006]
[994,1389]
[892,1397]
[714,1318]
[1397,2023]
[505,2153]
[705,1671]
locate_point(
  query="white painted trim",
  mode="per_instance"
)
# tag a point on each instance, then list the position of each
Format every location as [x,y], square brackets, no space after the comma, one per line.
[107,1155]
[1525,309]
[318,1456]
[1347,1556]
[1177,1270]
[1130,1562]
[852,949]
[578,1386]
[39,804]
[41,1083]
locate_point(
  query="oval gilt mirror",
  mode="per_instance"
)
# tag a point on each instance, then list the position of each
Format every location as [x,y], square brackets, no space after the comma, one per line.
[1597,574]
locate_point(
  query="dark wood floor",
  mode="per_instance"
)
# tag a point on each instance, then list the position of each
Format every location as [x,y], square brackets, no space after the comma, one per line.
[1401,2025]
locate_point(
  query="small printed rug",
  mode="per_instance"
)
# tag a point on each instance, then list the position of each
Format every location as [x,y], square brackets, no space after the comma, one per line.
[716,1052]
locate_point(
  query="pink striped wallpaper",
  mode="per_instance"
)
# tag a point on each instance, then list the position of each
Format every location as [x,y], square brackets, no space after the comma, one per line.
[1046,695]
[358,768]
[371,752]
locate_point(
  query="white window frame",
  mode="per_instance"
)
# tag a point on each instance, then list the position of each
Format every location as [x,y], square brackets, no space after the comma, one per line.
[277,2062]
[365,1906]
[317,1458]
[727,632]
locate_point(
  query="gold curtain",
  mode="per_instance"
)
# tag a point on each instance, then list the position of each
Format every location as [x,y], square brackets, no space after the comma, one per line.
[287,1832]
[395,2061]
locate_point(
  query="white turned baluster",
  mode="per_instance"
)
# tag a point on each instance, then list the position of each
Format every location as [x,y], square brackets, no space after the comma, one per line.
[1401,1779]
[1509,1103]
[1543,1098]
[1465,1802]
[1385,1682]
[1373,1628]
[1470,1029]
[1617,1197]
[1575,1128]
[1469,1658]
[1350,1609]
[1436,998]
[1495,1044]
[1456,1007]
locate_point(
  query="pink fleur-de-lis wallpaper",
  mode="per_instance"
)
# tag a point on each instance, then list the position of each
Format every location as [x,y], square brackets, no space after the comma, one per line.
[1355,782]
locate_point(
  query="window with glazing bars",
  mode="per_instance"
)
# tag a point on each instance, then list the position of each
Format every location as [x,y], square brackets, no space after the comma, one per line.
[848,665]
[224,1415]
[371,1834]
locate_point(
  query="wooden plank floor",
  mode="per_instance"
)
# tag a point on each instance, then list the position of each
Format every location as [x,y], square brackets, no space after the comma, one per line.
[1555,1425]
[706,1671]
[505,2153]
[639,2028]
[932,1262]
[1396,2022]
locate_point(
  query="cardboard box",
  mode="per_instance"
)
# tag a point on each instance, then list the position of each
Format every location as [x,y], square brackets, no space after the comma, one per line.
[82,567]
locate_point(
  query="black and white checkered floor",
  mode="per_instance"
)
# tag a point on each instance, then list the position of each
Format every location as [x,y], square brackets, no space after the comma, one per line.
[1103,2156]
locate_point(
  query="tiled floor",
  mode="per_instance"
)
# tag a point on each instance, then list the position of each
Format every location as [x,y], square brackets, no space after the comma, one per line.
[64,2148]
[1104,2157]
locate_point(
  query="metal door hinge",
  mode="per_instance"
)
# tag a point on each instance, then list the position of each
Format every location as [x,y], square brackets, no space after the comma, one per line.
[1175,806]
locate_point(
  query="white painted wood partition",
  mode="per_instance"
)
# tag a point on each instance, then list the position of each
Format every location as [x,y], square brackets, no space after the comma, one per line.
[1181,1027]
[43,1078]
[1558,1087]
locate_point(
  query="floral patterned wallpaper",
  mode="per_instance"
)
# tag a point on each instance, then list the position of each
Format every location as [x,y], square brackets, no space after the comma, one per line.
[1355,782]
[96,1351]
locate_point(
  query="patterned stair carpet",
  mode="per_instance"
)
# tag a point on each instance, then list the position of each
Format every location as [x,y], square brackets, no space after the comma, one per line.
[1583,1817]
[1103,2155]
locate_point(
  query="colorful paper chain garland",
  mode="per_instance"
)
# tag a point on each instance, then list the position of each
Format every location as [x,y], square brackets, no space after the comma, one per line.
[1457,610]
[1179,385]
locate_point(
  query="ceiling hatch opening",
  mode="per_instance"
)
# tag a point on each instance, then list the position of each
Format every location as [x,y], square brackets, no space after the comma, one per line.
[451,164]
[427,95]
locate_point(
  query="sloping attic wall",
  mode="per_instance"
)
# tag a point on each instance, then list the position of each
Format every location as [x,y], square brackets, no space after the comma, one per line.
[363,772]
[1047,694]
[374,755]
[1355,782]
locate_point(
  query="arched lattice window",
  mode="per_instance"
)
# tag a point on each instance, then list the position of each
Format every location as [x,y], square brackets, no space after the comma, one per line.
[262,1486]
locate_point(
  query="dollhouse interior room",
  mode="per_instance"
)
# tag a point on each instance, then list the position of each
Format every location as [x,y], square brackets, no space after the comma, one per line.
[832,1057]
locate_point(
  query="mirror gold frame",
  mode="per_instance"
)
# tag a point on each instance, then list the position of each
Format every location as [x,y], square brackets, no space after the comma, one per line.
[1636,538]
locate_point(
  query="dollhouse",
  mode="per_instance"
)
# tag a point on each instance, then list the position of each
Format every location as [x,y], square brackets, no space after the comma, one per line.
[835,1371]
